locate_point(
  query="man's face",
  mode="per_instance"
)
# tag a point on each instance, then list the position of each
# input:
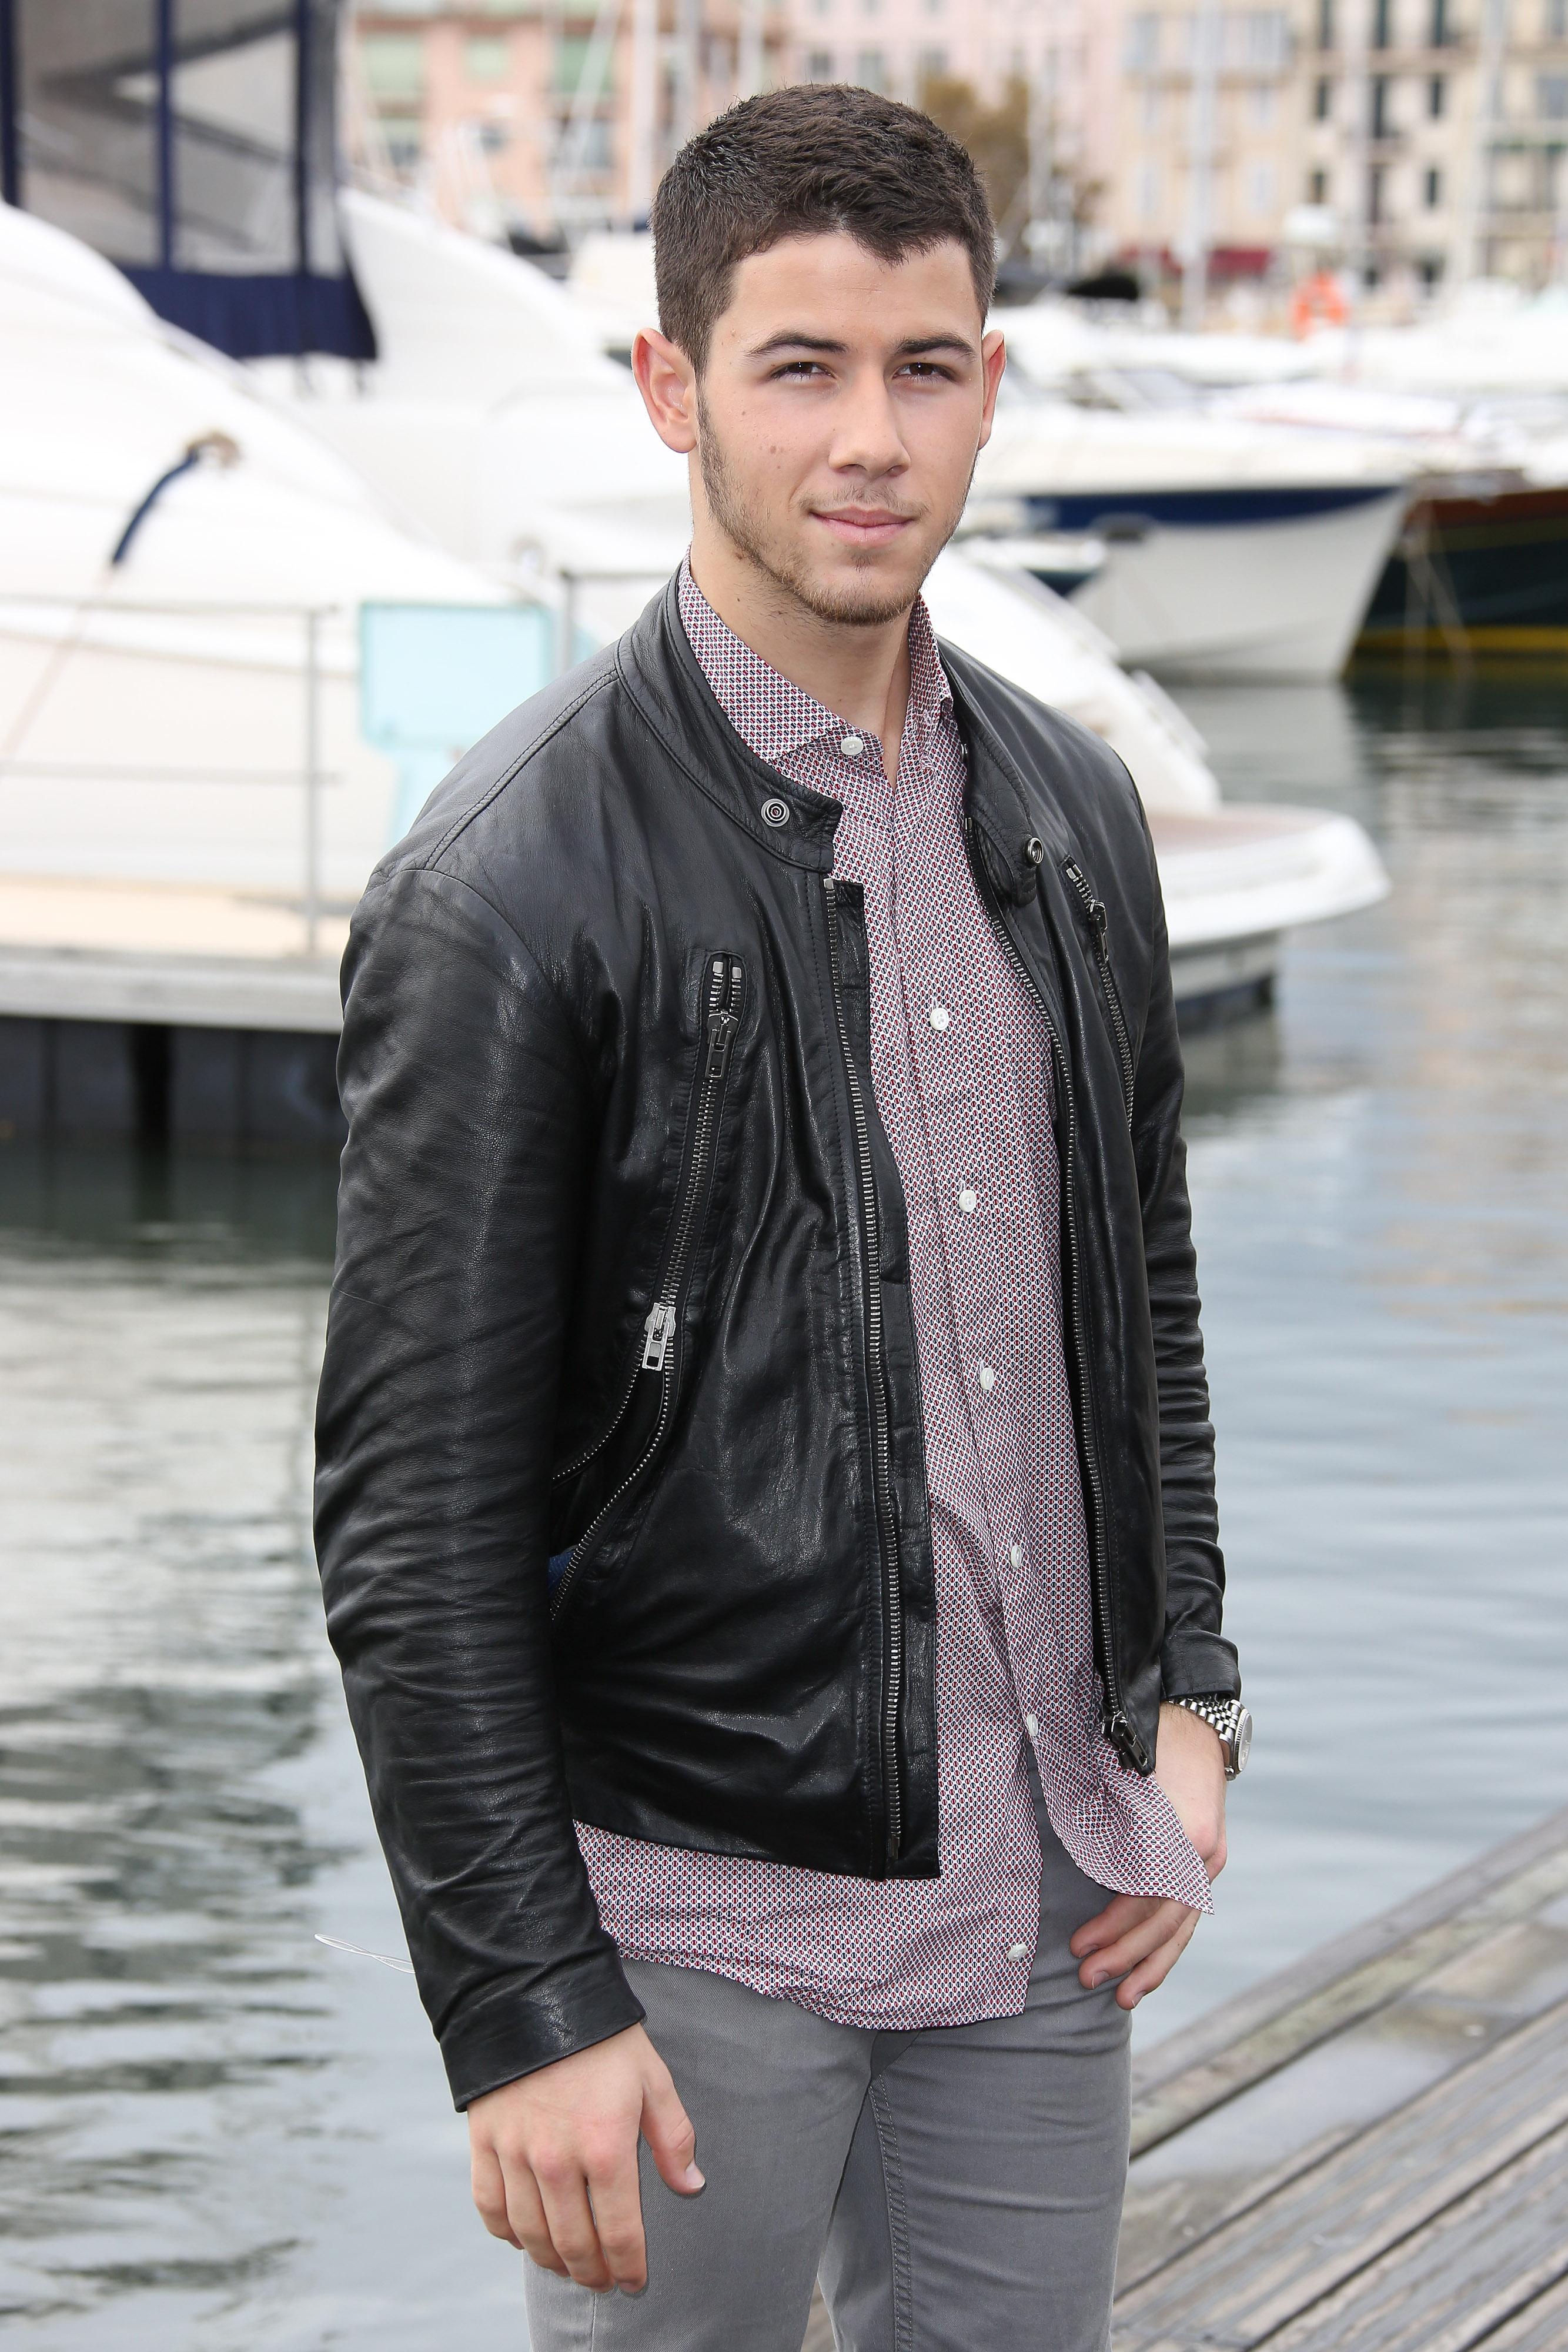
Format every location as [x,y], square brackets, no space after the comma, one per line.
[836,418]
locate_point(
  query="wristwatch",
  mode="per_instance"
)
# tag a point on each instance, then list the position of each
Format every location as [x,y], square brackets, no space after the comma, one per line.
[1232,1720]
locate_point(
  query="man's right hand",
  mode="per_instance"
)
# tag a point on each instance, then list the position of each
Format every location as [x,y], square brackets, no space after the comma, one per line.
[555,2158]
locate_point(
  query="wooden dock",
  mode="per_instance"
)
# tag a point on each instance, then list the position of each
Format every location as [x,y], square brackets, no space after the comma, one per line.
[1368,2152]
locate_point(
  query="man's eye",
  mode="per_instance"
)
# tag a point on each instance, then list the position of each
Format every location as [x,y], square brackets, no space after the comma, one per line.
[798,367]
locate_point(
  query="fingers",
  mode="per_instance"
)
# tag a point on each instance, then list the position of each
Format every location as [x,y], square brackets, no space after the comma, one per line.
[1143,1953]
[667,2128]
[1152,1972]
[526,2212]
[1121,1912]
[569,2218]
[490,2195]
[615,2196]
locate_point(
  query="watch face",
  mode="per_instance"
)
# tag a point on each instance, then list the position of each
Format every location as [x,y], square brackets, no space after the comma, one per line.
[1243,1740]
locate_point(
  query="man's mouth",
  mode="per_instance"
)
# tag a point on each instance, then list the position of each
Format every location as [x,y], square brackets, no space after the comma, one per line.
[862,526]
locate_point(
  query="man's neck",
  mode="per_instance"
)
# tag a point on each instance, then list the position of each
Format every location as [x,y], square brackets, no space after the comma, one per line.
[860,673]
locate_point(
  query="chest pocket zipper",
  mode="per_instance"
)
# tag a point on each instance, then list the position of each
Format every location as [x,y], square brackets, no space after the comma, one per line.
[659,1357]
[1099,923]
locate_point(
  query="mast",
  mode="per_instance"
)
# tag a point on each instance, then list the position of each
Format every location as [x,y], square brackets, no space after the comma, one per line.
[1207,27]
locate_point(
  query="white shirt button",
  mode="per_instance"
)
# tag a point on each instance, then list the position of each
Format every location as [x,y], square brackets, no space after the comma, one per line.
[940,1017]
[1016,1555]
[987,1378]
[967,1200]
[1018,1952]
[852,746]
[1032,1725]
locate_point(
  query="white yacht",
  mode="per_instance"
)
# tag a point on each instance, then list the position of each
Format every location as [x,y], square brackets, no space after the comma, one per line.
[155,722]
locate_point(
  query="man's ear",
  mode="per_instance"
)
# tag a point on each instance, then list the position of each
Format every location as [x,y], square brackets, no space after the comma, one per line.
[993,360]
[668,383]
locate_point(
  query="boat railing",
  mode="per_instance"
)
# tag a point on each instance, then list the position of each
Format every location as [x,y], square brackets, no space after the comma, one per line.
[311,776]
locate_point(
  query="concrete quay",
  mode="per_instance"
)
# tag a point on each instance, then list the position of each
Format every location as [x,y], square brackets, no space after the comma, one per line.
[162,1014]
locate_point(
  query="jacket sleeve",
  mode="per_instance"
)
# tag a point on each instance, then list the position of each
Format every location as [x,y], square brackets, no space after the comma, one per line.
[469,1109]
[1196,1656]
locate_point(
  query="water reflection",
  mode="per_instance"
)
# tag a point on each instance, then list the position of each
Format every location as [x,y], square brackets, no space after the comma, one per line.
[214,2132]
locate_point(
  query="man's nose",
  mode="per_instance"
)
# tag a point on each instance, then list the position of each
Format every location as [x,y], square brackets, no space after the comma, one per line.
[867,436]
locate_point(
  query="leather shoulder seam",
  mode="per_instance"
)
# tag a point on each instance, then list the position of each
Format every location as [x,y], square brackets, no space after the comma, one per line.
[514,768]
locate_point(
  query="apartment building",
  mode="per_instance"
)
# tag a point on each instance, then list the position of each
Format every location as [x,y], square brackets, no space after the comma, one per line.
[528,118]
[1210,136]
[1436,129]
[531,118]
[1417,142]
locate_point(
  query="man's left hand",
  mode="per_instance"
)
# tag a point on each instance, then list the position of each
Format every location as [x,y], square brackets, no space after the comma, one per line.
[1140,1938]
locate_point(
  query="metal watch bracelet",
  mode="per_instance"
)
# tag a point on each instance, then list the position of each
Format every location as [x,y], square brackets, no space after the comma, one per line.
[1230,1719]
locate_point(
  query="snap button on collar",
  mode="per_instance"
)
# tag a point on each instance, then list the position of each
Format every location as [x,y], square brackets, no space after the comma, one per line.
[1034,850]
[775,811]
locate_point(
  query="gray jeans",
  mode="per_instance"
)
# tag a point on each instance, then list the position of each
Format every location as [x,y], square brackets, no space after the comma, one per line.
[958,2190]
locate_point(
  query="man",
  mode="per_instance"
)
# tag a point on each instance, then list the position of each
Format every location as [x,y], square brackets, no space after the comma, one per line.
[765,1501]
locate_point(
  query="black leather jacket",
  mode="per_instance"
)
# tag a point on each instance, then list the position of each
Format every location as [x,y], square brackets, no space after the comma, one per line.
[621,1500]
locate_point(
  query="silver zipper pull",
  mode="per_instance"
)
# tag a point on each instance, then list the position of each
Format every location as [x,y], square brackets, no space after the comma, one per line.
[657,1333]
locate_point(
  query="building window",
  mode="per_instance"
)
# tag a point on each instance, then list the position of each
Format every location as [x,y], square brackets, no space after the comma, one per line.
[571,56]
[1557,20]
[1266,38]
[394,65]
[1322,102]
[1437,97]
[934,7]
[1376,195]
[822,6]
[1152,106]
[1442,32]
[1432,189]
[932,65]
[870,7]
[870,69]
[1551,97]
[1317,187]
[1149,191]
[1430,270]
[1260,188]
[1142,50]
[1381,31]
[485,56]
[820,66]
[1382,110]
[1262,104]
[495,138]
[1325,23]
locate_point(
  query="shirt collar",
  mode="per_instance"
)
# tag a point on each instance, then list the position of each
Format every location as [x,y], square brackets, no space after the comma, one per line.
[774,717]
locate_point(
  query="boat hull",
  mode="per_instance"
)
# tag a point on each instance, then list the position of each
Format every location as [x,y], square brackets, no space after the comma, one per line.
[1252,585]
[1492,570]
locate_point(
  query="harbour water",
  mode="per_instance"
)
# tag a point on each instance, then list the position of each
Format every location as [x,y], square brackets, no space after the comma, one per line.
[219,2136]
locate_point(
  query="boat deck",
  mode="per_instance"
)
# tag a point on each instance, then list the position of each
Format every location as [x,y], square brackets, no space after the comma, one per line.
[1368,2152]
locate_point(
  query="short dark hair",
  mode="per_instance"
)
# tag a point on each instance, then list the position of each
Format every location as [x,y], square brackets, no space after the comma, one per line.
[797,163]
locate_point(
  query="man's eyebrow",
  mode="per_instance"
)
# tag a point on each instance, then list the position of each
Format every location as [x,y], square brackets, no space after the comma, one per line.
[789,340]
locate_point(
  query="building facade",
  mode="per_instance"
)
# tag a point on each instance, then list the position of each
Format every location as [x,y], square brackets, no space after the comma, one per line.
[534,118]
[1416,142]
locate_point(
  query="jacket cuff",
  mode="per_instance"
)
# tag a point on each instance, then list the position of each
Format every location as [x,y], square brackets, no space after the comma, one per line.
[1199,1666]
[520,2023]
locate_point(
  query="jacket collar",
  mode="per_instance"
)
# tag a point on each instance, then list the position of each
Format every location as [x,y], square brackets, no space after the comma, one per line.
[666,681]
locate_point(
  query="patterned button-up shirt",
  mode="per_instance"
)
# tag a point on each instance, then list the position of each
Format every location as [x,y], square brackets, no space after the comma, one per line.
[961,1065]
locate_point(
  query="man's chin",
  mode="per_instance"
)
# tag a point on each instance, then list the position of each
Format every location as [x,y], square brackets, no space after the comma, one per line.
[859,592]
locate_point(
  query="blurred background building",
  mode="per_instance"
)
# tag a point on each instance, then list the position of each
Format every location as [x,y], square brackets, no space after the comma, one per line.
[1415,143]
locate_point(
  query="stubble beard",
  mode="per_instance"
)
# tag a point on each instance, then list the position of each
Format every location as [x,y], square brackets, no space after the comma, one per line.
[867,607]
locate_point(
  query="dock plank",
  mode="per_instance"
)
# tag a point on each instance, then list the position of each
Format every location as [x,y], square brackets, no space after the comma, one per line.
[1253,2274]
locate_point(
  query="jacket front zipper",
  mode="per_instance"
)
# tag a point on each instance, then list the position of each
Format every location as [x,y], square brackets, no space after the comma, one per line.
[1099,922]
[882,1441]
[1120,1729]
[659,1355]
